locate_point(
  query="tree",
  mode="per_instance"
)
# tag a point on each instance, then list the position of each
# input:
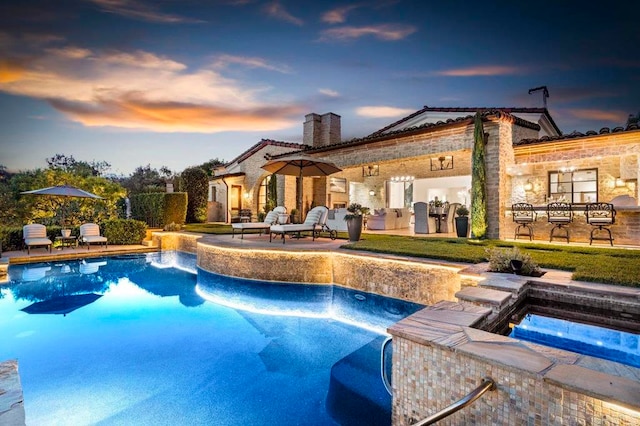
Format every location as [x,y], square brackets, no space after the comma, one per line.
[195,183]
[478,181]
[145,179]
[210,165]
[81,168]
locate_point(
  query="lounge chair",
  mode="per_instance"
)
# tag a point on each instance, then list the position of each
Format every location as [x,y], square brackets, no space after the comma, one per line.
[90,234]
[270,219]
[315,222]
[35,235]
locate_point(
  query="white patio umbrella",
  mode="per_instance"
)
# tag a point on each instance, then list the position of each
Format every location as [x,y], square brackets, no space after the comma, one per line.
[301,165]
[63,191]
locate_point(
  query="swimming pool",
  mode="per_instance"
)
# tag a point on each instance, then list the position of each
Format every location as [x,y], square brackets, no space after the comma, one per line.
[139,340]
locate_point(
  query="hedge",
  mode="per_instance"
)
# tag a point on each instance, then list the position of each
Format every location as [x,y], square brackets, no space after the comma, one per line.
[175,208]
[124,231]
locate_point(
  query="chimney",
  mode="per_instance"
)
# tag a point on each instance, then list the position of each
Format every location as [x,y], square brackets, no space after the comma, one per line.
[321,130]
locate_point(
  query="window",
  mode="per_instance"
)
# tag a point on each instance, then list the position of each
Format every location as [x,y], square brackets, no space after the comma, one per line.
[267,196]
[579,186]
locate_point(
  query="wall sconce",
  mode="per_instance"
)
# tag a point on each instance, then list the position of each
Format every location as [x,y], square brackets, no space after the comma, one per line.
[370,170]
[620,183]
[444,162]
[372,192]
[528,186]
[246,195]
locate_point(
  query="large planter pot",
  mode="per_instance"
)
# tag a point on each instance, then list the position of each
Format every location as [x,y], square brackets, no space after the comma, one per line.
[462,226]
[354,227]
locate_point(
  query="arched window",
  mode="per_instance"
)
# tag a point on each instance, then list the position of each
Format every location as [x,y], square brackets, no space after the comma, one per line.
[267,195]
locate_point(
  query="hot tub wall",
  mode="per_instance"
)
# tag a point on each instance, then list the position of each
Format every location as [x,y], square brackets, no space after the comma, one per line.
[535,385]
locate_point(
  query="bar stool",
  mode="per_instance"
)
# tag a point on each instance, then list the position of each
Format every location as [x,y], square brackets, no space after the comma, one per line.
[524,215]
[600,215]
[560,215]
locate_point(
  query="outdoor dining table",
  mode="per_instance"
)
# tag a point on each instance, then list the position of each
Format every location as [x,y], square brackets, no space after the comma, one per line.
[439,217]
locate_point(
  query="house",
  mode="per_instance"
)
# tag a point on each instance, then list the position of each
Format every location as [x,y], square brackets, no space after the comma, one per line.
[428,154]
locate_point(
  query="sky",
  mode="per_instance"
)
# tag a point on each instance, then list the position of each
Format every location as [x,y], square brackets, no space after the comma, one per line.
[176,83]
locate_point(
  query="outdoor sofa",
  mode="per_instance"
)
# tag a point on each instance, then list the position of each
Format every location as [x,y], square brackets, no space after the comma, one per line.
[270,219]
[35,235]
[90,234]
[315,222]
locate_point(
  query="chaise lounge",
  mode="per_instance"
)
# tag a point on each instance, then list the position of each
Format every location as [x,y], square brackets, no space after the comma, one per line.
[270,219]
[35,235]
[315,222]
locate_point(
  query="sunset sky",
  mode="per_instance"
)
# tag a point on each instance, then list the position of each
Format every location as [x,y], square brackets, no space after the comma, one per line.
[178,82]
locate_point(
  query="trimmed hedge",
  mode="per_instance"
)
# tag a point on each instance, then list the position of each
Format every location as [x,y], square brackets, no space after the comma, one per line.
[148,208]
[175,208]
[124,231]
[157,209]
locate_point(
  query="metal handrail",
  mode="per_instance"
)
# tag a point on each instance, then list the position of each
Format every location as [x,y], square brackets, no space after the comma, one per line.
[383,371]
[487,385]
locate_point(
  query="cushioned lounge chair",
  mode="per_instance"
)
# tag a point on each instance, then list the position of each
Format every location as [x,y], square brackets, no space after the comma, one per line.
[90,234]
[315,222]
[269,220]
[35,235]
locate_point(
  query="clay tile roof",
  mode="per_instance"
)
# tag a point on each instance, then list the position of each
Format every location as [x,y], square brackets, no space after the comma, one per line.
[473,110]
[468,119]
[264,142]
[576,134]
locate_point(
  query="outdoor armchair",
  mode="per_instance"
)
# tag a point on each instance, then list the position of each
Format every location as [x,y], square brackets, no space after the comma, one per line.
[90,234]
[35,235]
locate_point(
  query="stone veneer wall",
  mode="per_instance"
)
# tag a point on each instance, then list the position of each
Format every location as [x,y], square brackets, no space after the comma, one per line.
[414,281]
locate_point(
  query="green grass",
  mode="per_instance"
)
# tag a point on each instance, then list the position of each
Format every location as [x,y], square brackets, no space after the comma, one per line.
[605,265]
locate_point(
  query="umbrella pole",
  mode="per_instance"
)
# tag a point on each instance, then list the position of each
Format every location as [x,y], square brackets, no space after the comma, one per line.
[299,196]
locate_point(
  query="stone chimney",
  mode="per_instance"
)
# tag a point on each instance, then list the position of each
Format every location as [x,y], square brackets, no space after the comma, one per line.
[321,130]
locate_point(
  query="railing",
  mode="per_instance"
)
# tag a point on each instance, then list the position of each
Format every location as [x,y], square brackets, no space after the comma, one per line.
[487,385]
[383,362]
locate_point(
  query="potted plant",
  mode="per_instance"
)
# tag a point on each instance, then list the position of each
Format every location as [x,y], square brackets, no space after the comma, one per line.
[438,206]
[462,221]
[354,216]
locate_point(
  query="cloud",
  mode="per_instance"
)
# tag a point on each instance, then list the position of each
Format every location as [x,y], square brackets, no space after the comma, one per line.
[338,15]
[277,11]
[223,61]
[481,71]
[382,111]
[142,90]
[140,10]
[330,93]
[131,112]
[387,32]
[598,114]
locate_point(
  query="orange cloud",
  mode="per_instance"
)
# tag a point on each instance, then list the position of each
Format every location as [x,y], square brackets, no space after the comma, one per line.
[142,90]
[223,61]
[600,115]
[488,70]
[338,15]
[10,71]
[130,112]
[382,111]
[387,32]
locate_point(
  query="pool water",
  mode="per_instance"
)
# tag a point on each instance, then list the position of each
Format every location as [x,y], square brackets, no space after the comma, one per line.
[143,340]
[586,339]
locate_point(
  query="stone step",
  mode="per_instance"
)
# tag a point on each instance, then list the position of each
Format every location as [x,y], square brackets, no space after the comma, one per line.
[148,243]
[494,299]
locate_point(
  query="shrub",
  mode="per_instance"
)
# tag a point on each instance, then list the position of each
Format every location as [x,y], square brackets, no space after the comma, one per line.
[500,261]
[462,211]
[175,208]
[124,231]
[172,227]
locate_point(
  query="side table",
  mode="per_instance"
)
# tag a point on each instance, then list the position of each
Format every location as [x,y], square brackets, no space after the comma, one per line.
[67,242]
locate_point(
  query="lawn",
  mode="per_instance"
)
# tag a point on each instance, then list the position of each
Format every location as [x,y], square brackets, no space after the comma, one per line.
[598,264]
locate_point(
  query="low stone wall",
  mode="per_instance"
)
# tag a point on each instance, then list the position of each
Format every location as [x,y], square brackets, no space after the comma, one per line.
[417,282]
[176,241]
[11,399]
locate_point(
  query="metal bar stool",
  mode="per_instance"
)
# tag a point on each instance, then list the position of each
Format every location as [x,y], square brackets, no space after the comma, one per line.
[524,215]
[600,215]
[560,215]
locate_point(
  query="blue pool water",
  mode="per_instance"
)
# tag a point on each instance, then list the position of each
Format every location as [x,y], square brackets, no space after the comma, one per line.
[586,339]
[151,340]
